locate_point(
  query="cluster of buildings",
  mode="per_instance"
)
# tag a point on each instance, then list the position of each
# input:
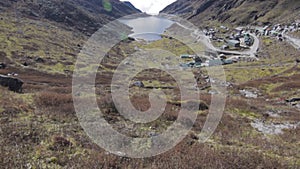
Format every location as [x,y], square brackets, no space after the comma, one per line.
[277,30]
[211,33]
[240,37]
[196,62]
[237,38]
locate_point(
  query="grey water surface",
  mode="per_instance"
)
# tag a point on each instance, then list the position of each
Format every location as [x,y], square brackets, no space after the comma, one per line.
[147,28]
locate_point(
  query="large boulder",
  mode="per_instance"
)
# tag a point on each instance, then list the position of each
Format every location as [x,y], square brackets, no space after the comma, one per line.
[13,84]
[138,84]
[2,65]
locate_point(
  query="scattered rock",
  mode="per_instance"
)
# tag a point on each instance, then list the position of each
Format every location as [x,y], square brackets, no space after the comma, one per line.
[203,106]
[13,84]
[249,94]
[28,166]
[2,65]
[292,100]
[213,92]
[138,84]
[32,13]
[272,114]
[152,134]
[25,64]
[194,136]
[52,160]
[272,128]
[39,60]
[119,153]
[137,48]
[11,111]
[60,143]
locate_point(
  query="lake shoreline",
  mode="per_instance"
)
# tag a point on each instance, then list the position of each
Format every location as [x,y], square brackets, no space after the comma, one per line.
[149,28]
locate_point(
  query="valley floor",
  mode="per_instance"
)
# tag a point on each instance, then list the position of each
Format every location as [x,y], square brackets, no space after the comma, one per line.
[259,129]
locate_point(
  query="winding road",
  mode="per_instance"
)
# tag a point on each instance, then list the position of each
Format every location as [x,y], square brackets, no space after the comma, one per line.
[251,53]
[200,36]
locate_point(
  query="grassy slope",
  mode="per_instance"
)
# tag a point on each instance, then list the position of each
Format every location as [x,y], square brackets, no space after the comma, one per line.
[52,30]
[40,129]
[31,39]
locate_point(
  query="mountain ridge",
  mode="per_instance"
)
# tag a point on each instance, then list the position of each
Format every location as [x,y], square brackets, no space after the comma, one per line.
[86,16]
[48,34]
[237,12]
[131,5]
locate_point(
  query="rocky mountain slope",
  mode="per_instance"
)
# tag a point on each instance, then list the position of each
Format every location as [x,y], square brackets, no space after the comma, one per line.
[48,34]
[39,43]
[239,12]
[80,14]
[131,6]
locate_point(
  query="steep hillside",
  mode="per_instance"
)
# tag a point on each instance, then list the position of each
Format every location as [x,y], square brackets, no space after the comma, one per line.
[40,128]
[131,6]
[48,34]
[239,12]
[80,14]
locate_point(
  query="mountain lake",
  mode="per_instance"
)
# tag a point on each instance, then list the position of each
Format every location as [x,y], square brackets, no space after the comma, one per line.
[147,28]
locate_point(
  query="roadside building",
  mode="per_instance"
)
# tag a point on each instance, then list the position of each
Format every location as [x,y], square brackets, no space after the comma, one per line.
[223,27]
[248,40]
[274,33]
[233,43]
[218,62]
[222,56]
[238,30]
[211,53]
[227,61]
[187,56]
[215,62]
[225,47]
[197,59]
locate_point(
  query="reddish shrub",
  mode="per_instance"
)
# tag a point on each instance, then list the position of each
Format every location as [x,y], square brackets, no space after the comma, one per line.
[52,99]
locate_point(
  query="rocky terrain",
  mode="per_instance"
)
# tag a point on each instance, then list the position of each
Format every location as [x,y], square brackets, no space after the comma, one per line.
[236,12]
[40,41]
[79,14]
[47,35]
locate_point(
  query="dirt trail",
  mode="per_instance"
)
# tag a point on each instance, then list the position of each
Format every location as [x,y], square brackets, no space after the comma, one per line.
[293,41]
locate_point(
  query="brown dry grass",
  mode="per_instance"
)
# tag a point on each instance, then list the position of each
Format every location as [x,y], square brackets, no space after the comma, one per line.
[45,132]
[52,99]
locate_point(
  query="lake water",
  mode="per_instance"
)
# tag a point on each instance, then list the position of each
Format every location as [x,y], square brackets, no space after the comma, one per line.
[148,28]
